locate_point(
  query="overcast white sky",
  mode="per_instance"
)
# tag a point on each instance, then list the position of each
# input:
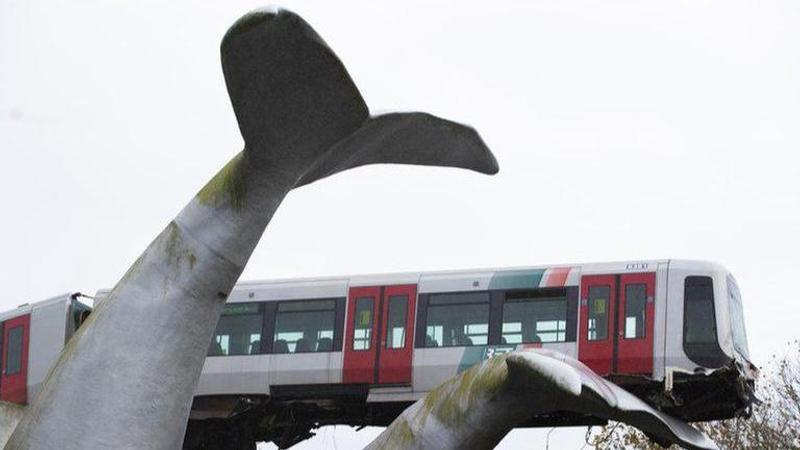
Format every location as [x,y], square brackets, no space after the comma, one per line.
[624,130]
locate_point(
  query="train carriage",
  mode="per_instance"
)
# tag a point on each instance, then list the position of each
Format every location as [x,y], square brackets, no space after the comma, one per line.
[358,350]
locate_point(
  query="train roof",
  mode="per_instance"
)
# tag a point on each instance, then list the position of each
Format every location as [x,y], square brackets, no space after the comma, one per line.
[26,308]
[439,280]
[412,276]
[367,279]
[444,280]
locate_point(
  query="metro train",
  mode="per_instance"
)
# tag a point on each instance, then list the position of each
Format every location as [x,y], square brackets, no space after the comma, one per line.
[291,355]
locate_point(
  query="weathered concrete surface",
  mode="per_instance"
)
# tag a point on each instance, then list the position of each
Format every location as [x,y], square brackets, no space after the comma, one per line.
[477,408]
[126,379]
[10,415]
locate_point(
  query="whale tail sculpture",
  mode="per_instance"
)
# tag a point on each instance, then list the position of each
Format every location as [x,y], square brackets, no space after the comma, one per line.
[297,107]
[127,378]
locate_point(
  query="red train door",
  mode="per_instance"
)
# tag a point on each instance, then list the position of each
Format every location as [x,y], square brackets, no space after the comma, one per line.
[596,333]
[14,361]
[395,352]
[616,323]
[378,335]
[635,330]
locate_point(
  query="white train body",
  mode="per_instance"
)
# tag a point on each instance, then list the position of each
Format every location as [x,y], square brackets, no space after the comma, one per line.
[670,331]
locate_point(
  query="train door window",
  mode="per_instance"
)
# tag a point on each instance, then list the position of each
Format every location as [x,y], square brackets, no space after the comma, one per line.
[362,335]
[396,321]
[457,319]
[304,326]
[535,316]
[598,312]
[635,307]
[13,363]
[238,330]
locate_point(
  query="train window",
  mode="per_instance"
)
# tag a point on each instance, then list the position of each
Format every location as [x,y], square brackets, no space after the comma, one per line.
[457,319]
[635,307]
[14,351]
[535,316]
[238,330]
[362,335]
[304,326]
[598,312]
[396,322]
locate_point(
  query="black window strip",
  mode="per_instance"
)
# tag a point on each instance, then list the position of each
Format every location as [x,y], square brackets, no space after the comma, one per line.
[437,305]
[422,320]
[377,332]
[2,368]
[527,294]
[268,328]
[300,312]
[496,317]
[452,298]
[338,328]
[572,313]
[615,323]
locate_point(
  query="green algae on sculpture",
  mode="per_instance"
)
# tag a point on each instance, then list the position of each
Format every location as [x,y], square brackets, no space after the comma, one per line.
[450,403]
[175,249]
[230,181]
[10,415]
[401,437]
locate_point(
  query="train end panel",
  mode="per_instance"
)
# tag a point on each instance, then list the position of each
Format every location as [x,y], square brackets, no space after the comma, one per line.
[708,374]
[31,338]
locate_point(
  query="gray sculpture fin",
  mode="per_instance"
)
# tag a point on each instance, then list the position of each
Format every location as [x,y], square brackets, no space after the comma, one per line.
[292,96]
[407,138]
[10,415]
[478,407]
[581,390]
